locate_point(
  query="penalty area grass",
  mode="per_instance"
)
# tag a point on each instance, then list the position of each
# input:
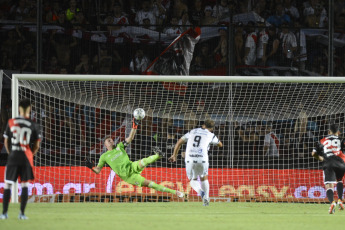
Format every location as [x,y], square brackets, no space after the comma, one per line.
[170,216]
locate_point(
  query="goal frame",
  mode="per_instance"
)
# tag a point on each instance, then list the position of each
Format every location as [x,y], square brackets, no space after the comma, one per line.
[156,78]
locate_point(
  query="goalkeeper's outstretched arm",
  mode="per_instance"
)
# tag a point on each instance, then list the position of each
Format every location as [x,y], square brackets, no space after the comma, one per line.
[90,165]
[133,131]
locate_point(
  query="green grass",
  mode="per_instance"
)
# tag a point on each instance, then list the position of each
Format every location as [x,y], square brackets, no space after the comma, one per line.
[191,216]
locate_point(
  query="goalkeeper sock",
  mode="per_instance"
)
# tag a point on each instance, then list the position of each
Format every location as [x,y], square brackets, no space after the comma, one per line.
[149,160]
[161,188]
[196,186]
[24,199]
[340,188]
[6,200]
[205,186]
[330,195]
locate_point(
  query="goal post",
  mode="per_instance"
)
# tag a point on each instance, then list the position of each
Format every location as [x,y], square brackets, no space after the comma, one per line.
[268,126]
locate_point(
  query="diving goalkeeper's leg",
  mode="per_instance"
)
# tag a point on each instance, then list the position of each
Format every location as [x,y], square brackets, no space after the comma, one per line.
[161,188]
[151,159]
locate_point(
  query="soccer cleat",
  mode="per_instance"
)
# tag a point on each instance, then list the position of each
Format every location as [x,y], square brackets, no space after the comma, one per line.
[22,217]
[158,152]
[202,194]
[180,194]
[340,204]
[206,202]
[332,208]
[4,216]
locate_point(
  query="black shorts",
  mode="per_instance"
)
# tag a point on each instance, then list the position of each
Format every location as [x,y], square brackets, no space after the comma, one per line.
[333,170]
[24,171]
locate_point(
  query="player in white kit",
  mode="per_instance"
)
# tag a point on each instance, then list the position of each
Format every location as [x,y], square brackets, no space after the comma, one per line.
[198,143]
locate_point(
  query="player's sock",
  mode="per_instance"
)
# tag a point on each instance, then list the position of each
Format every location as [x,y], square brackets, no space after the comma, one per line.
[340,188]
[196,186]
[6,200]
[24,199]
[330,195]
[161,188]
[205,186]
[149,160]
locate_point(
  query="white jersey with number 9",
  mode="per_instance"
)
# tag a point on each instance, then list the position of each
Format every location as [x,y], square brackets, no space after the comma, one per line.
[198,143]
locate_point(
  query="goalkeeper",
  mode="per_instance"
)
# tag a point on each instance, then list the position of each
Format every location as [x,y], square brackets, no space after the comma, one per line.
[116,157]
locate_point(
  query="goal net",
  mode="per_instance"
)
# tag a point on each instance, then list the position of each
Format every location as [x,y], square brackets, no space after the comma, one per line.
[268,126]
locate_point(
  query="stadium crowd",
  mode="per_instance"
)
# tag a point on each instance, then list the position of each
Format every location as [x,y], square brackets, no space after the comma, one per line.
[267,33]
[123,37]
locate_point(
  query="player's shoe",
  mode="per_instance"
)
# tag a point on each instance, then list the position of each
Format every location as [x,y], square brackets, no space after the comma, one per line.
[206,202]
[340,205]
[4,216]
[180,194]
[158,152]
[22,217]
[202,194]
[332,208]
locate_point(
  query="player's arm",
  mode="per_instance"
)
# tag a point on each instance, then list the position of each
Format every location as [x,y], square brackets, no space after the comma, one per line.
[177,148]
[133,131]
[317,156]
[220,144]
[316,153]
[96,169]
[35,147]
[7,144]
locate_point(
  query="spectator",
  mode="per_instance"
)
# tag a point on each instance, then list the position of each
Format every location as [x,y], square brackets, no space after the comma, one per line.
[315,16]
[271,142]
[184,22]
[53,15]
[197,12]
[250,45]
[262,44]
[63,48]
[203,60]
[178,8]
[144,13]
[301,52]
[174,29]
[61,20]
[279,17]
[249,138]
[221,10]
[289,44]
[12,44]
[139,63]
[303,139]
[208,19]
[239,41]
[72,10]
[160,11]
[119,16]
[311,6]
[291,10]
[221,51]
[52,67]
[273,49]
[84,66]
[19,12]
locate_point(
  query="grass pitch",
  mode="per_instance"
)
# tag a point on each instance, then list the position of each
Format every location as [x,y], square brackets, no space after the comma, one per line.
[191,216]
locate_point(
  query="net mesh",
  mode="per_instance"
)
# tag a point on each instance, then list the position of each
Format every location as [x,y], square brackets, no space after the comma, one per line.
[268,131]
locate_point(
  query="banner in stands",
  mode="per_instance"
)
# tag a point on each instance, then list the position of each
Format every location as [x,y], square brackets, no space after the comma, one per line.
[269,183]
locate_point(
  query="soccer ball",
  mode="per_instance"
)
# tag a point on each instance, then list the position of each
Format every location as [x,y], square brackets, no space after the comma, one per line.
[139,114]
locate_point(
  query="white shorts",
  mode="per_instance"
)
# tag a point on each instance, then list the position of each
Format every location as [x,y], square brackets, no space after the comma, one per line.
[196,169]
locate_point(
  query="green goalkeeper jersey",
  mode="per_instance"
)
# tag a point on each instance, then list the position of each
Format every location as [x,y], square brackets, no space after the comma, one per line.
[118,160]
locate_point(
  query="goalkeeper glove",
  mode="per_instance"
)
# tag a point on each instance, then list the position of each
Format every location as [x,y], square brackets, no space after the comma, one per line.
[135,123]
[89,163]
